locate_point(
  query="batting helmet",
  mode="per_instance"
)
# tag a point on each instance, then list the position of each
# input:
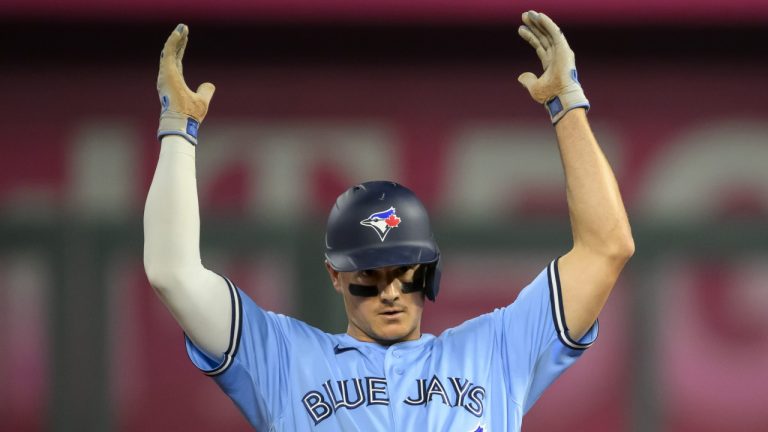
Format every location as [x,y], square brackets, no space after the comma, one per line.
[380,224]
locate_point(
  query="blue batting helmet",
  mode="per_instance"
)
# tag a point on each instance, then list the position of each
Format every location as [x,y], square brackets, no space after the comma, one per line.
[380,224]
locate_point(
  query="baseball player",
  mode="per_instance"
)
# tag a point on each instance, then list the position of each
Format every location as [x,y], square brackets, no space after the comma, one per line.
[384,374]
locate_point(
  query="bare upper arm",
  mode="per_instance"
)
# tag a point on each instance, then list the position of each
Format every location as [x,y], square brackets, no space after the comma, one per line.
[586,280]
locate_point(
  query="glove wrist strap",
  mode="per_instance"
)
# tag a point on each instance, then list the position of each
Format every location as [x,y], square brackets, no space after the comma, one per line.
[572,97]
[172,123]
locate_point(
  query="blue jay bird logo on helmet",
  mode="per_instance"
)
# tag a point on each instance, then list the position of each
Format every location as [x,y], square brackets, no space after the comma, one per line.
[382,222]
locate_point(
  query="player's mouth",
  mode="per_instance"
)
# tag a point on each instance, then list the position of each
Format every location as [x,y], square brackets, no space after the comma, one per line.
[392,313]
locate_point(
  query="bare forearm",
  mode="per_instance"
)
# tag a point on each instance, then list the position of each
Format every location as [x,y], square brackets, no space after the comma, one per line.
[598,218]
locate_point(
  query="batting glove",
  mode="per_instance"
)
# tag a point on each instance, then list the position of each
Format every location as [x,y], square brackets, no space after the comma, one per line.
[182,109]
[558,87]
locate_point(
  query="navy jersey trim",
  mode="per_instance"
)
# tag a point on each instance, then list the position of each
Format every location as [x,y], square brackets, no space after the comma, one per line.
[234,330]
[558,312]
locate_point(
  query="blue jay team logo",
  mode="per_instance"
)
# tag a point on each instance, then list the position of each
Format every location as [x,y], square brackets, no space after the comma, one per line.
[382,222]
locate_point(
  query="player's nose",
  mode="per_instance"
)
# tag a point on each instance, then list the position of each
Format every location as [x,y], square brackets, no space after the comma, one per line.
[391,291]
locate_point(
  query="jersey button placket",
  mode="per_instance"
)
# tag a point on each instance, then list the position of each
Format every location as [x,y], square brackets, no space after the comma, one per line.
[394,371]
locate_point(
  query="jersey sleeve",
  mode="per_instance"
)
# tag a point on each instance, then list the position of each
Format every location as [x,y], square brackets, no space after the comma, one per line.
[535,340]
[255,367]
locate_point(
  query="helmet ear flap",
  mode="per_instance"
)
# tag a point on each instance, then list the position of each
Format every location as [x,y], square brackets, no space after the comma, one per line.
[432,280]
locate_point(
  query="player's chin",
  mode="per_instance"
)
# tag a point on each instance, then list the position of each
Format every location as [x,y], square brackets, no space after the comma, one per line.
[393,333]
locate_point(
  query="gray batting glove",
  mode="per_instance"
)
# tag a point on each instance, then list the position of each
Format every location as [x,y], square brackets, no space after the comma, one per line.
[558,87]
[182,109]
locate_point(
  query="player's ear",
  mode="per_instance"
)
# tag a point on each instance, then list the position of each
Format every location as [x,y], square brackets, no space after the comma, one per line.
[334,274]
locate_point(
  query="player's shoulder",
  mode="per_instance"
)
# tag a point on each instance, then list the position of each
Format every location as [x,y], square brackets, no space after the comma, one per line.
[477,329]
[297,328]
[489,324]
[292,329]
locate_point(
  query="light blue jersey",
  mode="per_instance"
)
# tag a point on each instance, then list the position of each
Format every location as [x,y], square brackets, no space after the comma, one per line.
[483,375]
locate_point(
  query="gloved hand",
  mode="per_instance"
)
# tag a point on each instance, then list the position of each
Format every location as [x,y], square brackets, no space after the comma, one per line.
[558,87]
[182,109]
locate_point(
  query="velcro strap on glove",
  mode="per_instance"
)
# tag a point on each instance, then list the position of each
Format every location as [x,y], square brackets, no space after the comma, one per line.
[570,98]
[172,123]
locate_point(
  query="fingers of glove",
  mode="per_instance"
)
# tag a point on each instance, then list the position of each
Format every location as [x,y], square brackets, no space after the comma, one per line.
[170,76]
[545,23]
[168,55]
[182,46]
[553,32]
[526,34]
[529,19]
[169,72]
[534,86]
[205,91]
[537,24]
[527,79]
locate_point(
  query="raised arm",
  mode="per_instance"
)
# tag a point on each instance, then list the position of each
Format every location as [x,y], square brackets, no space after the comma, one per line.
[602,238]
[198,298]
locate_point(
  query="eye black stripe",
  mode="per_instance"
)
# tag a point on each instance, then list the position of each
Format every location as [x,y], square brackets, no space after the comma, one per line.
[363,290]
[409,287]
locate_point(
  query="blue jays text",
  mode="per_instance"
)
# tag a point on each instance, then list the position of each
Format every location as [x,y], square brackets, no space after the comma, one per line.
[354,393]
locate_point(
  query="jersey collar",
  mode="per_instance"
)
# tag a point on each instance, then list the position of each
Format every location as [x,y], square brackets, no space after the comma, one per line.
[344,341]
